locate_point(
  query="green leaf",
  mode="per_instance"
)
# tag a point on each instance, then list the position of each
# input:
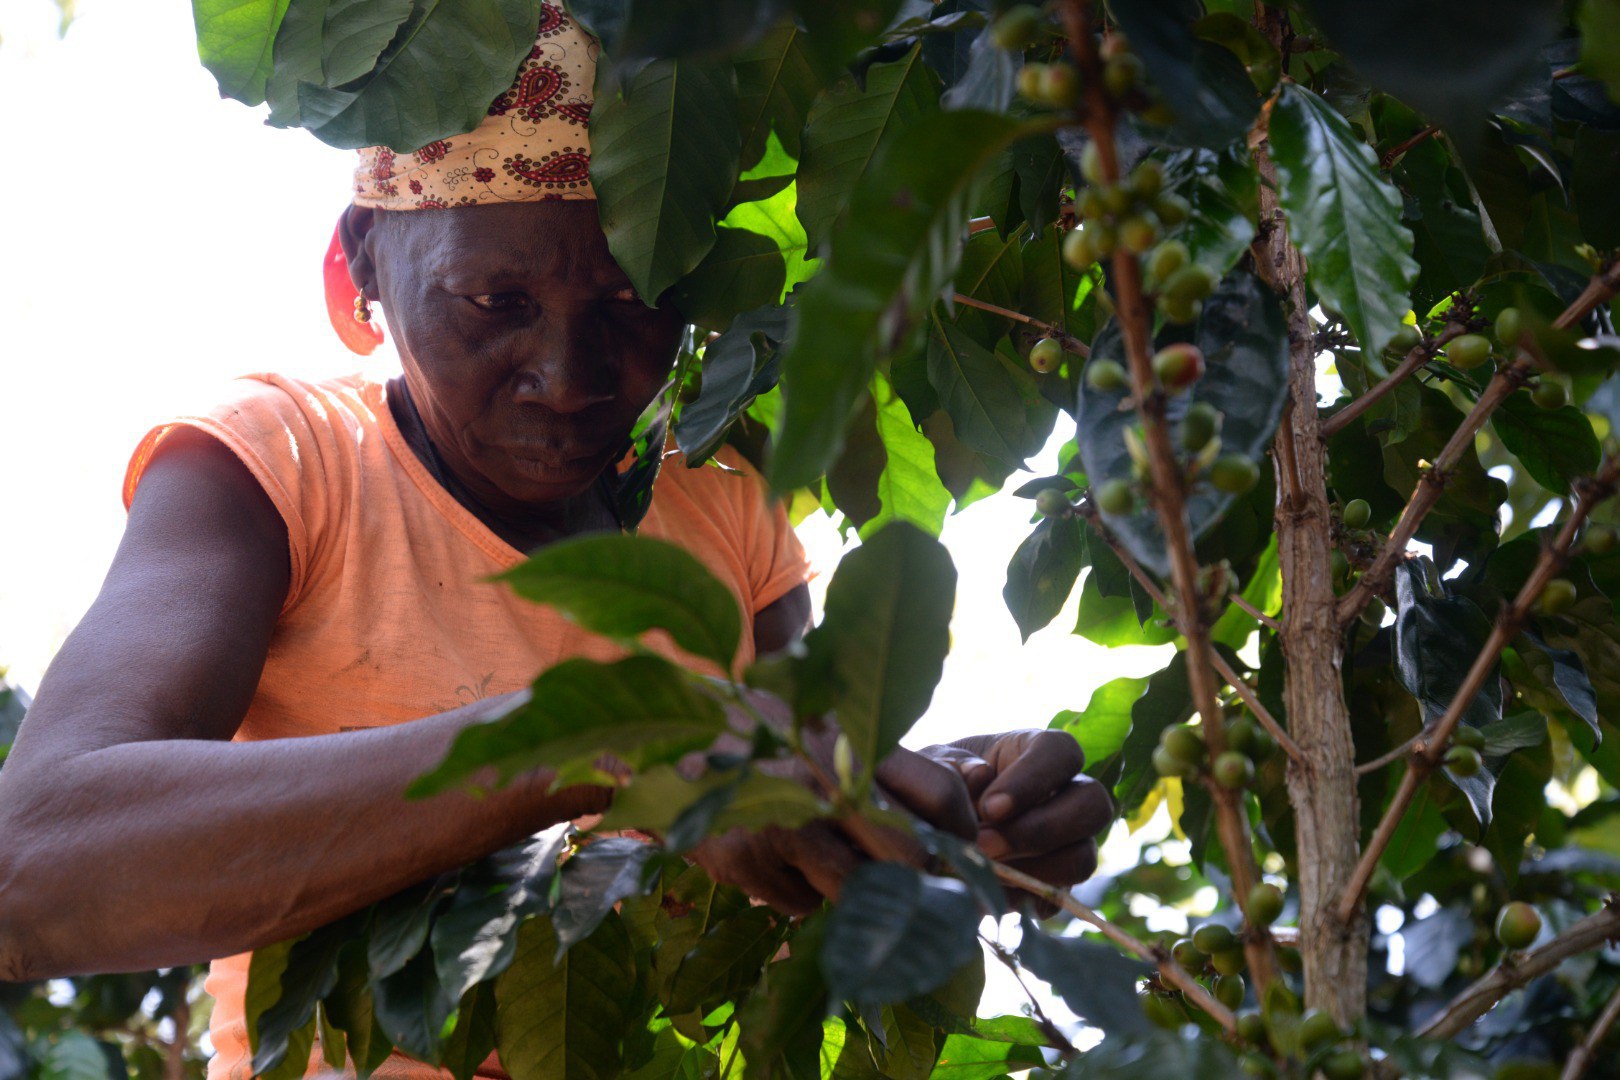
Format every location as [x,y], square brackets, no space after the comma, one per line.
[896,933]
[782,1019]
[887,629]
[328,43]
[963,1057]
[593,881]
[738,366]
[1205,85]
[896,248]
[1166,701]
[1569,677]
[642,710]
[633,32]
[758,257]
[473,1038]
[400,923]
[724,961]
[348,1008]
[1222,193]
[1596,173]
[1245,346]
[411,1007]
[76,1056]
[475,938]
[908,488]
[310,974]
[775,86]
[655,800]
[1412,847]
[905,1050]
[1104,724]
[663,159]
[1093,979]
[990,80]
[1599,21]
[1042,573]
[235,41]
[1344,216]
[1437,637]
[838,29]
[435,79]
[565,1021]
[264,990]
[844,128]
[1556,446]
[623,586]
[980,394]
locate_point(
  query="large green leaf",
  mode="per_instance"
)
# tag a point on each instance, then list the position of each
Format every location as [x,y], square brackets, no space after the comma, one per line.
[908,488]
[411,1007]
[76,1056]
[775,86]
[838,29]
[896,248]
[310,974]
[1103,725]
[663,157]
[1600,42]
[435,79]
[263,992]
[1206,86]
[781,1020]
[1042,573]
[473,1039]
[1093,979]
[642,710]
[592,883]
[758,256]
[1222,192]
[235,41]
[1245,346]
[1343,215]
[348,1008]
[565,1020]
[738,366]
[896,933]
[623,586]
[964,1057]
[655,800]
[980,394]
[887,629]
[724,961]
[328,43]
[1166,701]
[1596,174]
[633,32]
[844,128]
[1555,446]
[400,923]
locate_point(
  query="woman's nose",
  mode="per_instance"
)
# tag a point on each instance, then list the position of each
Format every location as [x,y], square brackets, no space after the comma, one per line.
[569,368]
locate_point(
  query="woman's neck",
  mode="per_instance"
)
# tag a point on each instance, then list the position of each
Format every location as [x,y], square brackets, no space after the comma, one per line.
[525,528]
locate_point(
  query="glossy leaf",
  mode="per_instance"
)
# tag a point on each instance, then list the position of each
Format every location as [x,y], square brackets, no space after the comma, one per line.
[724,961]
[1343,215]
[887,631]
[641,710]
[1245,347]
[400,924]
[1556,446]
[1222,193]
[1205,85]
[310,974]
[595,879]
[565,1020]
[896,933]
[738,366]
[1103,725]
[1092,978]
[235,40]
[658,798]
[664,153]
[328,43]
[1042,573]
[1569,678]
[989,81]
[348,1008]
[623,586]
[775,87]
[909,488]
[411,1007]
[632,32]
[472,1040]
[264,991]
[980,394]
[782,1019]
[435,79]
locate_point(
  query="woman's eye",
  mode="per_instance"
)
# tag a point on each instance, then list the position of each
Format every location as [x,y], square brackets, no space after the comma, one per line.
[505,301]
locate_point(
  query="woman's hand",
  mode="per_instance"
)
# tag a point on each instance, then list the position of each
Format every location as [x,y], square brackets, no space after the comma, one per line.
[1036,812]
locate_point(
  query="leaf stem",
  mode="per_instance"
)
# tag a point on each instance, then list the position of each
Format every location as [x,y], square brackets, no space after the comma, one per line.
[1517,969]
[1393,154]
[1433,742]
[1069,342]
[1008,960]
[1249,609]
[1409,365]
[1587,1051]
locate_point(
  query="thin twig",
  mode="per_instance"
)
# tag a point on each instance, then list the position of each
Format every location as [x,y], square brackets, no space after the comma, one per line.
[1250,609]
[1393,154]
[1392,756]
[1517,969]
[1432,745]
[1587,1051]
[1009,960]
[1069,342]
[1099,115]
[1222,668]
[1411,363]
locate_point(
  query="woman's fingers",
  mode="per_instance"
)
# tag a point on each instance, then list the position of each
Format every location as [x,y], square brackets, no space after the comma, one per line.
[1041,762]
[1079,810]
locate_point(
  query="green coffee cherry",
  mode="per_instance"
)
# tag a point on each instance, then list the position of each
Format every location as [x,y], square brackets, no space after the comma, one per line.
[1138,233]
[1191,282]
[1251,1027]
[1229,989]
[1463,761]
[1091,164]
[1229,962]
[1104,238]
[1167,765]
[1255,1064]
[1079,250]
[1549,394]
[1405,340]
[1518,925]
[1556,598]
[1598,539]
[1232,770]
[1468,735]
[1373,614]
[1116,497]
[1017,28]
[1106,376]
[1122,74]
[1052,503]
[1509,327]
[1089,203]
[1265,904]
[1178,311]
[1234,473]
[1147,179]
[1240,735]
[1468,351]
[1357,512]
[1166,259]
[1186,744]
[1060,85]
[1178,366]
[1172,208]
[1290,961]
[1199,426]
[1164,1011]
[1212,938]
[1318,1029]
[1185,953]
[1343,1065]
[1029,81]
[1046,356]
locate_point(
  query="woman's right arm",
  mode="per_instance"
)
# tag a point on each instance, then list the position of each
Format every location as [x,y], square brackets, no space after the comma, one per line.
[134,834]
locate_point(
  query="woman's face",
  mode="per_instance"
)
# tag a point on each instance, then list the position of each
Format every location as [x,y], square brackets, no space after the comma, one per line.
[528,354]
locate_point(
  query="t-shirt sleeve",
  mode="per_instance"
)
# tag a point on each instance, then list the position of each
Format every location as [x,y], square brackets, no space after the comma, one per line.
[280,431]
[775,559]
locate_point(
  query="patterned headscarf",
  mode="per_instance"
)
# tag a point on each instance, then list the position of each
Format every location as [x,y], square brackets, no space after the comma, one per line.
[532,145]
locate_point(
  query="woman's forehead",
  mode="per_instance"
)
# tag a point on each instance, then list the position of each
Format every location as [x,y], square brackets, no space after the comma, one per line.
[555,238]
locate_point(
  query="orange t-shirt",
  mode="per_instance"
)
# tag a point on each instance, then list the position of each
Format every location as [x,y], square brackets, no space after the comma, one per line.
[389,610]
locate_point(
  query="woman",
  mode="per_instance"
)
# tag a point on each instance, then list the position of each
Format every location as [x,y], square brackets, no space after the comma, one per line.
[299,619]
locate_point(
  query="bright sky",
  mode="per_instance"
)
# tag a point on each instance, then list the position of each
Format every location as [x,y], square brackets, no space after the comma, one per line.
[159,240]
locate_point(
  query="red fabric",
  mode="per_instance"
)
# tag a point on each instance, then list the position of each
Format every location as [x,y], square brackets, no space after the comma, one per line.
[360,337]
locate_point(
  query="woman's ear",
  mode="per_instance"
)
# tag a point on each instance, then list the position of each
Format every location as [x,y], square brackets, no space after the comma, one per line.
[355,231]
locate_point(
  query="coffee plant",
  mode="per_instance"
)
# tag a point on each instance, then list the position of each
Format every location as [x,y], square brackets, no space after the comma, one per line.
[1324,291]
